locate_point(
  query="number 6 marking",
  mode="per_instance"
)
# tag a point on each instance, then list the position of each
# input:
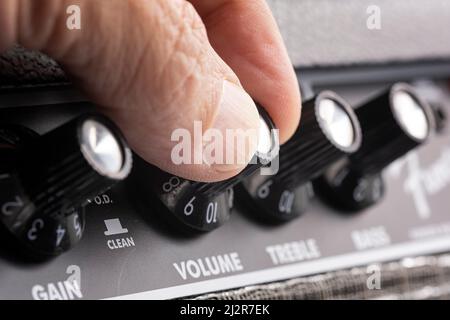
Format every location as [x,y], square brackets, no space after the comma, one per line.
[264,190]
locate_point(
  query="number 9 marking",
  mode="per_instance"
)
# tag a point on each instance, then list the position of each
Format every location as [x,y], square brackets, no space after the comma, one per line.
[189,207]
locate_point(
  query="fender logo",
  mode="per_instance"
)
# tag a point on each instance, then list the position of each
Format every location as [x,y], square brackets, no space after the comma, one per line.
[421,183]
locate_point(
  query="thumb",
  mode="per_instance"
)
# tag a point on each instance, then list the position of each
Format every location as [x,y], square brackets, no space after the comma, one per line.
[149,66]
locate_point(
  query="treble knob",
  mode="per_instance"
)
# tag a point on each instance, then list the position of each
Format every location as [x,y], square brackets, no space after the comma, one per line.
[328,132]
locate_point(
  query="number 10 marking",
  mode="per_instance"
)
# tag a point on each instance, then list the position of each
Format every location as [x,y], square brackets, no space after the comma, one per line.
[211,213]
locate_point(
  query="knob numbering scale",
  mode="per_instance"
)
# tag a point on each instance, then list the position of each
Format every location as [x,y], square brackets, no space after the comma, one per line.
[328,132]
[393,123]
[51,178]
[198,206]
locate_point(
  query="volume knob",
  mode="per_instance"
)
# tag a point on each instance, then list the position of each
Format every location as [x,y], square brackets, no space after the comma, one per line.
[200,206]
[393,123]
[55,174]
[328,132]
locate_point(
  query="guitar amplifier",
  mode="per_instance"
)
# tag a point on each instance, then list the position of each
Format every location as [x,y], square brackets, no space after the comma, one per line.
[374,225]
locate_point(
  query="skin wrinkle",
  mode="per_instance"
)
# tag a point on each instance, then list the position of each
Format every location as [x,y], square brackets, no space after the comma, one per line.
[177,52]
[121,89]
[8,23]
[27,23]
[130,58]
[190,64]
[134,73]
[127,56]
[81,58]
[58,35]
[165,15]
[225,14]
[191,26]
[176,99]
[180,92]
[38,22]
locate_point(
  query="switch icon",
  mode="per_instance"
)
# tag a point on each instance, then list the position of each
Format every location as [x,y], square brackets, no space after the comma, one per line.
[113,227]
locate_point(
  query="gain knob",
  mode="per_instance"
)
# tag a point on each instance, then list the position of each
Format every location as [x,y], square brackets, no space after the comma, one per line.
[328,132]
[392,124]
[199,206]
[46,180]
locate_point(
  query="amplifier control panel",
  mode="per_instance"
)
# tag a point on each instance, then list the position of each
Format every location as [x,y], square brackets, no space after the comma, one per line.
[367,179]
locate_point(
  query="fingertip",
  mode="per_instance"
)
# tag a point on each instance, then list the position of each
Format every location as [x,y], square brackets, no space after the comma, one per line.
[205,173]
[282,100]
[285,107]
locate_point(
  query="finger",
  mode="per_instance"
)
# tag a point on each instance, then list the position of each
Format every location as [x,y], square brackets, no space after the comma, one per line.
[8,15]
[246,36]
[150,66]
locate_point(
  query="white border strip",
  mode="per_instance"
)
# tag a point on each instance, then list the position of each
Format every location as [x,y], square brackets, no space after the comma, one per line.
[295,270]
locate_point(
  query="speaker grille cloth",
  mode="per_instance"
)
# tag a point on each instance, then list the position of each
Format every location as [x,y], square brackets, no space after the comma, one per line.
[411,278]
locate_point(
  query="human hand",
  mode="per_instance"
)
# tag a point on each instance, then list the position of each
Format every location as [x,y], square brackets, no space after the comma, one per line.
[157,65]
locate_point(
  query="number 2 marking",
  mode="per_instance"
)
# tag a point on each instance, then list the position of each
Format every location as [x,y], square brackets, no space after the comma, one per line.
[8,207]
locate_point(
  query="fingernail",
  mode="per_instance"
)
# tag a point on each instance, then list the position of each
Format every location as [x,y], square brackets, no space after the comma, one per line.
[237,118]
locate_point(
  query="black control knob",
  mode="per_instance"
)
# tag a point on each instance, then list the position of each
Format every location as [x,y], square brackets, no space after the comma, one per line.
[200,206]
[392,124]
[46,180]
[328,132]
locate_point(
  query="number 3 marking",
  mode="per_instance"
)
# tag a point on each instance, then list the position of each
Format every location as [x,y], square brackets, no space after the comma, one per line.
[35,227]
